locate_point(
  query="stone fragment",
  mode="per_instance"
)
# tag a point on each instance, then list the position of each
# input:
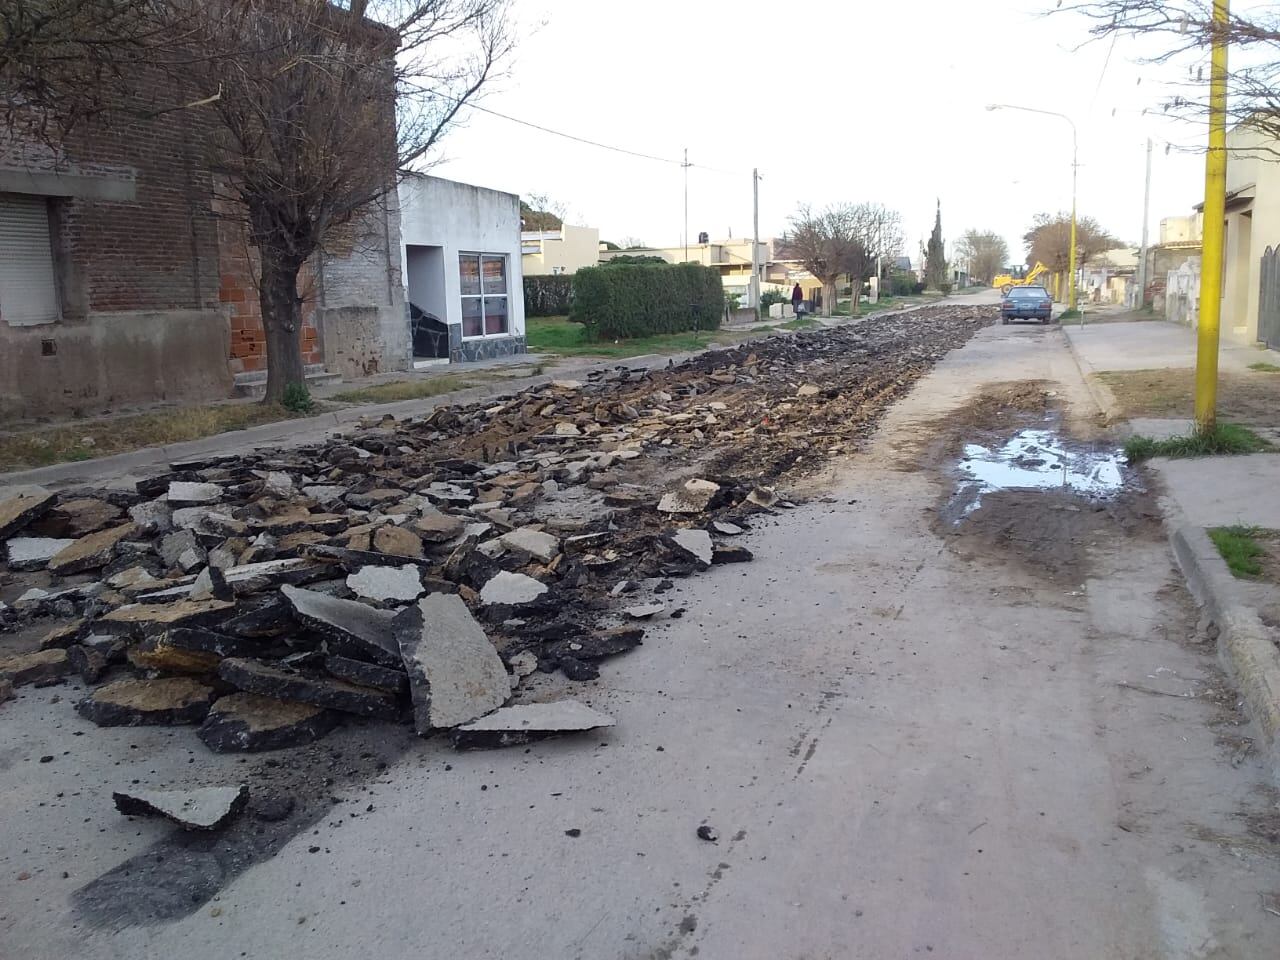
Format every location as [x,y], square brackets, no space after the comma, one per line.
[20,509]
[154,516]
[247,722]
[455,673]
[512,588]
[255,676]
[578,670]
[159,653]
[90,552]
[211,584]
[205,808]
[525,723]
[207,520]
[598,646]
[763,496]
[133,703]
[188,494]
[84,515]
[534,543]
[438,527]
[87,661]
[727,528]
[174,547]
[523,663]
[25,668]
[324,494]
[63,635]
[278,484]
[367,674]
[34,553]
[808,390]
[695,543]
[644,611]
[397,541]
[567,430]
[133,577]
[723,554]
[586,542]
[355,627]
[693,497]
[387,583]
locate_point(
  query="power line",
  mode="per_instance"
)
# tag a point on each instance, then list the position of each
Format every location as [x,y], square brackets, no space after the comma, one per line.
[591,143]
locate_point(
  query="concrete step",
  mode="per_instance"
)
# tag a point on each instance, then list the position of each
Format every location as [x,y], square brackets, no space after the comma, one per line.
[254,385]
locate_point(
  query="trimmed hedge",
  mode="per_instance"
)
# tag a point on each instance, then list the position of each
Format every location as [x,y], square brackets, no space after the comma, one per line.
[548,296]
[623,301]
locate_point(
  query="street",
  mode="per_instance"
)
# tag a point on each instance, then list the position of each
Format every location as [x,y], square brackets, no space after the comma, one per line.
[923,722]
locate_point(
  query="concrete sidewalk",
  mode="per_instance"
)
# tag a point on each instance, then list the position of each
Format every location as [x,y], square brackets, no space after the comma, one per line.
[1200,494]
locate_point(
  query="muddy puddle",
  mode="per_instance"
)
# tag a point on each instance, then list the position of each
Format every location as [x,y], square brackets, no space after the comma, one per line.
[1035,459]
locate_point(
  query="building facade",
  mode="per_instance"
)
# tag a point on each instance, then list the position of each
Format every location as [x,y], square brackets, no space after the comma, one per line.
[462,269]
[557,252]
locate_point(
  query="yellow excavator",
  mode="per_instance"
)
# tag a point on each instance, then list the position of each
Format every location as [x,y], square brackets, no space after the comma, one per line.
[1006,282]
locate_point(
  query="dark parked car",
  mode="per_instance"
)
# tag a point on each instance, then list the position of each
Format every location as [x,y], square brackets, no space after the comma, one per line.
[1026,303]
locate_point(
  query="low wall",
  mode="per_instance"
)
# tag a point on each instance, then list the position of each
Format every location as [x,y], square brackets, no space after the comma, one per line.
[112,360]
[363,341]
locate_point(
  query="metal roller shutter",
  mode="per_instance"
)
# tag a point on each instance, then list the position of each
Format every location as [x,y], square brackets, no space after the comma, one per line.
[28,289]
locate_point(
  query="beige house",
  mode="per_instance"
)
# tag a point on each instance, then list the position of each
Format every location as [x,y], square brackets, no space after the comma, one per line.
[1252,224]
[562,251]
[732,257]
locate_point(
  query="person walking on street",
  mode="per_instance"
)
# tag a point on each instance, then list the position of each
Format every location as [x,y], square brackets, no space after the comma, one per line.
[797,298]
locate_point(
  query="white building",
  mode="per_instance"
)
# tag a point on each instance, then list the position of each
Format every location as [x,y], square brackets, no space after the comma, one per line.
[462,269]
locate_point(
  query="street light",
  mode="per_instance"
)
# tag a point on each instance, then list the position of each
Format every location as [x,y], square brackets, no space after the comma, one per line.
[1075,153]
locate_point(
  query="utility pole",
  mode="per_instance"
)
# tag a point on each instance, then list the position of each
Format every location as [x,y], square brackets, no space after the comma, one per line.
[755,239]
[1146,217]
[1215,197]
[685,166]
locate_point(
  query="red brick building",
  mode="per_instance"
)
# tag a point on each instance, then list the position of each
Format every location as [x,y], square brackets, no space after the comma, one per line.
[121,285]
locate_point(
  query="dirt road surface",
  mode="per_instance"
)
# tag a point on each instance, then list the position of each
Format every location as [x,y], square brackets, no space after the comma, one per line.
[923,722]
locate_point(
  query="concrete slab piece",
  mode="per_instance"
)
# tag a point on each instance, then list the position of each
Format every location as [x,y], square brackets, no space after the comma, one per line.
[248,722]
[33,553]
[387,583]
[694,497]
[186,492]
[512,588]
[527,722]
[18,510]
[268,680]
[91,552]
[205,808]
[1224,491]
[696,543]
[134,703]
[537,544]
[455,673]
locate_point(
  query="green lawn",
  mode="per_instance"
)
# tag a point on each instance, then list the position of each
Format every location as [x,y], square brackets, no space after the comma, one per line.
[561,336]
[1225,439]
[1240,548]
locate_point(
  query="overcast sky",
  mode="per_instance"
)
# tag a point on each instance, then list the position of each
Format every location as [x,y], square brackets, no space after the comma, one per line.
[833,101]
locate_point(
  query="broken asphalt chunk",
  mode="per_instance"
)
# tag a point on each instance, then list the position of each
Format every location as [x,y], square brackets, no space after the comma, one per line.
[204,808]
[534,543]
[20,509]
[133,703]
[695,496]
[248,722]
[695,544]
[455,673]
[525,723]
[255,676]
[183,493]
[722,554]
[33,553]
[387,583]
[25,668]
[90,552]
[368,674]
[354,626]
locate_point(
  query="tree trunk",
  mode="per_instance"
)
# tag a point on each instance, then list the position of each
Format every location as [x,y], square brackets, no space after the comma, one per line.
[828,297]
[282,321]
[855,294]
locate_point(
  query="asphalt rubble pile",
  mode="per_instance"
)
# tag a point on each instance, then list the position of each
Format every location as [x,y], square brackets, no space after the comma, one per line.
[420,572]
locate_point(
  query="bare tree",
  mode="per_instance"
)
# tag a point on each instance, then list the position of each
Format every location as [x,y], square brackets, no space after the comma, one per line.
[986,253]
[1184,30]
[1049,241]
[633,243]
[308,109]
[541,212]
[313,109]
[842,240]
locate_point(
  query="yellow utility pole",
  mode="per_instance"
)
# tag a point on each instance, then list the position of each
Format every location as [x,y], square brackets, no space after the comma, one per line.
[1215,197]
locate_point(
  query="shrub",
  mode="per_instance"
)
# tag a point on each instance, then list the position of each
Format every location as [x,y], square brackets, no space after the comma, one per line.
[945,288]
[631,258]
[297,398]
[902,284]
[549,296]
[770,297]
[623,301]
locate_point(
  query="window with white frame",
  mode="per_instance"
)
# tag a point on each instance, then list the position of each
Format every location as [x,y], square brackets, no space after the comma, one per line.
[28,280]
[484,294]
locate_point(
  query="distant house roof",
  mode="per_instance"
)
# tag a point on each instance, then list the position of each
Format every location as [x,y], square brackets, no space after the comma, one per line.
[902,263]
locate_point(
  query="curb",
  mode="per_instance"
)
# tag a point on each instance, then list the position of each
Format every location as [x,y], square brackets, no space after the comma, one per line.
[1245,649]
[1102,396]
